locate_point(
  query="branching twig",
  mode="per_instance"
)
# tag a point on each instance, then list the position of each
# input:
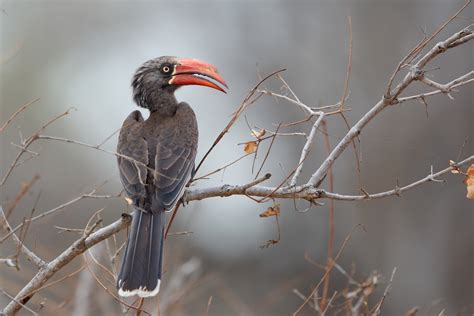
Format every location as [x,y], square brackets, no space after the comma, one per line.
[30,255]
[306,192]
[438,49]
[12,117]
[48,270]
[246,102]
[309,191]
[89,195]
[28,143]
[307,147]
[387,290]
[398,190]
[417,49]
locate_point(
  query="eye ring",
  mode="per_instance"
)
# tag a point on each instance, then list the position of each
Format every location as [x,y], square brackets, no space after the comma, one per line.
[166,69]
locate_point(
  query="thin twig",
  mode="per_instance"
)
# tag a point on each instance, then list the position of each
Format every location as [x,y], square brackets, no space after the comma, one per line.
[438,49]
[330,250]
[12,117]
[378,309]
[329,303]
[30,255]
[89,195]
[306,192]
[268,152]
[208,305]
[246,102]
[417,49]
[431,177]
[221,168]
[328,271]
[307,147]
[28,142]
[19,303]
[77,248]
[25,188]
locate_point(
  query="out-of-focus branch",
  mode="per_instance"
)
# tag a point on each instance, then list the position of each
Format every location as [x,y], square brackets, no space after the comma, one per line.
[90,195]
[12,117]
[28,143]
[89,239]
[378,307]
[30,255]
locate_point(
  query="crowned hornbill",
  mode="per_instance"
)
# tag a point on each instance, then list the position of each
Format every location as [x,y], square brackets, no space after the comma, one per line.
[156,161]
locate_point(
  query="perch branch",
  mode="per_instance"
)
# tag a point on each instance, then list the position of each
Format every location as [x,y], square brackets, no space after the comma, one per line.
[307,192]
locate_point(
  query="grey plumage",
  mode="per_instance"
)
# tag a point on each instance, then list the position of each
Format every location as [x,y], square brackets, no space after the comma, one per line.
[156,162]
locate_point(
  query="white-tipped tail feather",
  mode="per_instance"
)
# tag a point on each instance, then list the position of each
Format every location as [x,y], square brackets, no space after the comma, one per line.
[141,292]
[140,273]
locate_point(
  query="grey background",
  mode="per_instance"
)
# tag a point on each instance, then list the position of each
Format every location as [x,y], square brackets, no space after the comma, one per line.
[83,54]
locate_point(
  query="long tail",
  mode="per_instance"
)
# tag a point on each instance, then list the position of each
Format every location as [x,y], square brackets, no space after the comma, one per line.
[141,265]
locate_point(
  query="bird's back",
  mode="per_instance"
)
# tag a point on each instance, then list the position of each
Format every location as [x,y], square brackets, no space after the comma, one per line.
[166,144]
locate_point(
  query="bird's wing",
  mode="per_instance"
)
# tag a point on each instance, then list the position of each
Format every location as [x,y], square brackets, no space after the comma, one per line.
[133,171]
[174,163]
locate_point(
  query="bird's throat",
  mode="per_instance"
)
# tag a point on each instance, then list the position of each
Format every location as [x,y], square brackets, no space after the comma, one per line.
[164,105]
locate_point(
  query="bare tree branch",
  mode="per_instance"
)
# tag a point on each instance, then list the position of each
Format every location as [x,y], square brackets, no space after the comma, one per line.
[309,191]
[307,147]
[397,191]
[30,255]
[378,308]
[413,75]
[49,269]
[12,117]
[90,195]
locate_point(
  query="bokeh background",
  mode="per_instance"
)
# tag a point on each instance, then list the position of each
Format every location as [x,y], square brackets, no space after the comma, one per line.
[83,54]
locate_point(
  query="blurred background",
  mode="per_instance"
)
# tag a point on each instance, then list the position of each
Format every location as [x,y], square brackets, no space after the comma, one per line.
[82,54]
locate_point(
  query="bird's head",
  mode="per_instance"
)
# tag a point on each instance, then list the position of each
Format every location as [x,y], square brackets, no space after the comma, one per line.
[155,82]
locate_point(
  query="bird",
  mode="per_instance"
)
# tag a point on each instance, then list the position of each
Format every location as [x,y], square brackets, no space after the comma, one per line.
[156,161]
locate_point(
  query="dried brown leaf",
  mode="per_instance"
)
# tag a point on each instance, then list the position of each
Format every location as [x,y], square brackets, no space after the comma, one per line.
[270,243]
[412,312]
[271,211]
[250,147]
[469,181]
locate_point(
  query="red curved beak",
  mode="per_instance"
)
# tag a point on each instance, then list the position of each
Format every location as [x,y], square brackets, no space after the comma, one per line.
[195,72]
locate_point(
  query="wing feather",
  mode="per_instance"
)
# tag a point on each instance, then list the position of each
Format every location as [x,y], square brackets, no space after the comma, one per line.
[133,171]
[174,163]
